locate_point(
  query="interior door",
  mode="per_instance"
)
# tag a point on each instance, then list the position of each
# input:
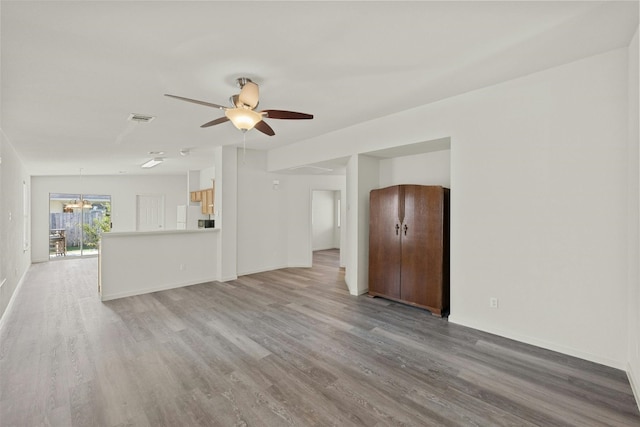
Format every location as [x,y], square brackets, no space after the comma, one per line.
[422,240]
[384,241]
[150,212]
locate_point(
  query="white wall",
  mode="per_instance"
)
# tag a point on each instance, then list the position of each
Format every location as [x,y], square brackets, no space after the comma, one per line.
[123,191]
[262,216]
[323,219]
[274,223]
[140,263]
[538,211]
[337,218]
[633,210]
[363,175]
[14,258]
[432,168]
[226,201]
[193,184]
[539,197]
[15,253]
[207,177]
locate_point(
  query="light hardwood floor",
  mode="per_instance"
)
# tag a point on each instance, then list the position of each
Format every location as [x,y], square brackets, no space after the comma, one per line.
[287,347]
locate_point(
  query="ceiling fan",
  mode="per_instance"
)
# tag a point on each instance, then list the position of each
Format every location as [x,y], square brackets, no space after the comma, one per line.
[242,111]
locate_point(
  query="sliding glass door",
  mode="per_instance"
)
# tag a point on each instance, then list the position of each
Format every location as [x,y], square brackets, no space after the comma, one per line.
[76,222]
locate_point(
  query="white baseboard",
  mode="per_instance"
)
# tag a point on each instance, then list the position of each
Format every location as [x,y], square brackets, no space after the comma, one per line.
[13,296]
[634,381]
[155,289]
[298,266]
[327,248]
[541,343]
[262,270]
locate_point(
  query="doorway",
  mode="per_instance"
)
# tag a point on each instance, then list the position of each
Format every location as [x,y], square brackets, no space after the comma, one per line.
[326,222]
[76,222]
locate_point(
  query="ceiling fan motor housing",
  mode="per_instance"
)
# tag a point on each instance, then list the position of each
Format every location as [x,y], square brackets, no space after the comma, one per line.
[249,93]
[241,81]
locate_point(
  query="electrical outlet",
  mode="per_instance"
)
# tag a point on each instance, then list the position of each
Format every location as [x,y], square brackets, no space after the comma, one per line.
[493,302]
[182,267]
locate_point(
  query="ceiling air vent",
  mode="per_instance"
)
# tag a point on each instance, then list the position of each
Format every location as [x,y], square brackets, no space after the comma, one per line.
[141,118]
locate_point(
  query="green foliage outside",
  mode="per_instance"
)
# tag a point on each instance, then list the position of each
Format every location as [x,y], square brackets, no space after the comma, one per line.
[93,231]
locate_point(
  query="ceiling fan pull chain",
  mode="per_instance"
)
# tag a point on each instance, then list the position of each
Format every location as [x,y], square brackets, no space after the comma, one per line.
[244,147]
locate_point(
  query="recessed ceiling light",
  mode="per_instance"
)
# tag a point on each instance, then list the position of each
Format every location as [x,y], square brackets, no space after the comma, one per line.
[153,162]
[156,153]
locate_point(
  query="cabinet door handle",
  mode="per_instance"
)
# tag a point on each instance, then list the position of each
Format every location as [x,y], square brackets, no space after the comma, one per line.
[405,229]
[397,229]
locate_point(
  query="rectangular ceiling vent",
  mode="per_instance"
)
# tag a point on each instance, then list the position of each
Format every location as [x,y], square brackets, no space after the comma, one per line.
[141,118]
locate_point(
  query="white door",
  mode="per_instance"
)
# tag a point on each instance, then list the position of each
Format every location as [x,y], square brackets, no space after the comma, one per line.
[150,210]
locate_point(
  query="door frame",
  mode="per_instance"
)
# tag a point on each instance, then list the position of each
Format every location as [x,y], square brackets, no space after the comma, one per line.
[84,248]
[342,227]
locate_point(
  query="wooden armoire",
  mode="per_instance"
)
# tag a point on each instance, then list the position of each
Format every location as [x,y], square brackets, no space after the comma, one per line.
[409,246]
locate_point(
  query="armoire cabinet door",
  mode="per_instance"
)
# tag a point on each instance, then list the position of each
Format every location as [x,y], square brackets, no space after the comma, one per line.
[384,242]
[422,246]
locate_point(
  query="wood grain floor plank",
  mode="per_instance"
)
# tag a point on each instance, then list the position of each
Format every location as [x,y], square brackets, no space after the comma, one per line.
[84,405]
[279,348]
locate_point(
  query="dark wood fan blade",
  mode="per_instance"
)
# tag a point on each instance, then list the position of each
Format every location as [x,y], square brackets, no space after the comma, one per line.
[264,128]
[195,101]
[215,122]
[288,115]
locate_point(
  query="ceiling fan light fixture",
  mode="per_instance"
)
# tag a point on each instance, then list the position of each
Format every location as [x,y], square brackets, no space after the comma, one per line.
[242,111]
[78,203]
[243,118]
[72,205]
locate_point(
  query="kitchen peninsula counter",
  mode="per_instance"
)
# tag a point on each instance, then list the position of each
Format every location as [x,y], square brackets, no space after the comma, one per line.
[139,262]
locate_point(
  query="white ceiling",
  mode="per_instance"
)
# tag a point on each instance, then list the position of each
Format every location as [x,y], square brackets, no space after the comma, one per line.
[73,71]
